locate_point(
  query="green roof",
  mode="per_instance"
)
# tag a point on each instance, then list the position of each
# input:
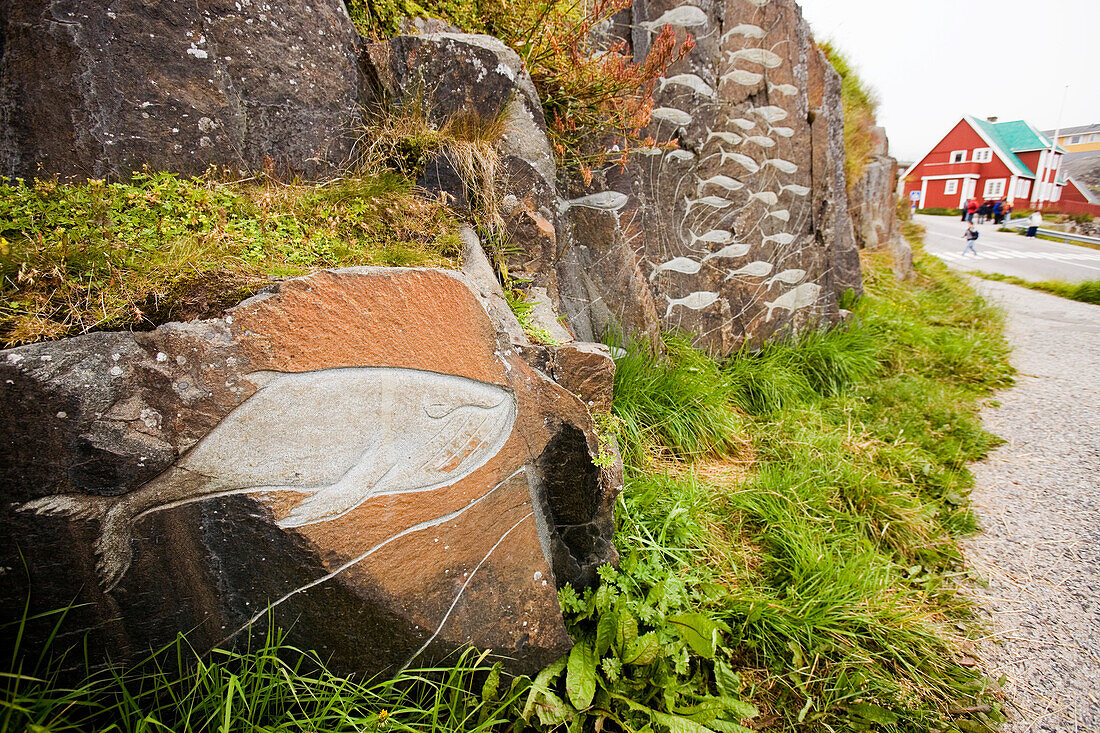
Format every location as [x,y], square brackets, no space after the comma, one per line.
[1013,137]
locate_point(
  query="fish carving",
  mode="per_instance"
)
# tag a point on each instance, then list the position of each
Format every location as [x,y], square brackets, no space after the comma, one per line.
[690,81]
[783,238]
[730,250]
[713,202]
[791,277]
[678,156]
[781,214]
[685,265]
[602,201]
[713,236]
[694,301]
[768,198]
[729,138]
[770,113]
[802,296]
[742,77]
[673,115]
[685,16]
[753,269]
[339,436]
[784,165]
[730,184]
[745,161]
[764,142]
[744,29]
[795,189]
[759,56]
[787,90]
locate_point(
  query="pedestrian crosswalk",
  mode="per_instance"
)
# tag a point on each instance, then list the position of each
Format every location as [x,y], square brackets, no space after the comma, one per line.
[990,254]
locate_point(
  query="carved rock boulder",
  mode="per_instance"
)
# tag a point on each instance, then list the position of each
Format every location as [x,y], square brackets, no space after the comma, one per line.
[742,232]
[360,455]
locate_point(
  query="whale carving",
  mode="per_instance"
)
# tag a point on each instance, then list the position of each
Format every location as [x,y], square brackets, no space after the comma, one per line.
[339,436]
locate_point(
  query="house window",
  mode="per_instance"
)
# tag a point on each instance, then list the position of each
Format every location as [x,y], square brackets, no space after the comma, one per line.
[1023,189]
[994,188]
[983,155]
[958,156]
[950,187]
[1075,139]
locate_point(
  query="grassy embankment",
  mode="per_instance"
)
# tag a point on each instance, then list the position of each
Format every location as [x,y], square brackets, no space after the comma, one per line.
[787,534]
[1086,292]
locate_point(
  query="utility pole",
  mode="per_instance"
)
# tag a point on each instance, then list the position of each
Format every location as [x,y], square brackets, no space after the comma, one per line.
[1050,155]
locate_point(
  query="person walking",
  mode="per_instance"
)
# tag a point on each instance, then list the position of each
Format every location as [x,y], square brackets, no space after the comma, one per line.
[971,236]
[1033,223]
[984,211]
[999,212]
[971,209]
[965,206]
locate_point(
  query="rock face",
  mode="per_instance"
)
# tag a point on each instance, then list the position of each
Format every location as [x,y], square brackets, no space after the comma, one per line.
[743,231]
[873,200]
[363,456]
[95,89]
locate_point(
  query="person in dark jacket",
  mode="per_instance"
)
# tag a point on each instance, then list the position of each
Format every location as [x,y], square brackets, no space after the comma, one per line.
[971,236]
[999,212]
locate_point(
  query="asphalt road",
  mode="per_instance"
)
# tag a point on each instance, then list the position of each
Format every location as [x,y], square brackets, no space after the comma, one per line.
[1009,253]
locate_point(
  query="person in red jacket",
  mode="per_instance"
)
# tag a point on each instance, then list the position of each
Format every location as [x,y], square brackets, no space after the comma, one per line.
[971,209]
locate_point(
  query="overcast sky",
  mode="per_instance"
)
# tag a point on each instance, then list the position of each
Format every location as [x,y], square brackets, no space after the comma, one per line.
[932,61]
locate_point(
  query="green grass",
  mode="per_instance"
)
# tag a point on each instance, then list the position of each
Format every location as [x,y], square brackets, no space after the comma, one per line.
[276,688]
[1086,292]
[134,254]
[799,505]
[935,211]
[787,535]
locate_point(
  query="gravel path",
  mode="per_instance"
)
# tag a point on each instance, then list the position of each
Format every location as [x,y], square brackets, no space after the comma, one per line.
[1038,498]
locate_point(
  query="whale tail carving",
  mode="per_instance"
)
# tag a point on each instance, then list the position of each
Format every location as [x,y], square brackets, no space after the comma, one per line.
[112,547]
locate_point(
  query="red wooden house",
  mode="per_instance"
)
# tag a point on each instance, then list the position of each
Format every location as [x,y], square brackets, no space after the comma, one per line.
[987,160]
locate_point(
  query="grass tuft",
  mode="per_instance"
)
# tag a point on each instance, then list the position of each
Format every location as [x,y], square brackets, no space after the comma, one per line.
[1085,292]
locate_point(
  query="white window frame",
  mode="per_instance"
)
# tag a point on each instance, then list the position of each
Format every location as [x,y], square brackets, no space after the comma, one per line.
[961,155]
[989,188]
[951,187]
[983,155]
[1075,139]
[1023,188]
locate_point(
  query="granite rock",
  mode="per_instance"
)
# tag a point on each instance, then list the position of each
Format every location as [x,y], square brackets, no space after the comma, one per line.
[89,89]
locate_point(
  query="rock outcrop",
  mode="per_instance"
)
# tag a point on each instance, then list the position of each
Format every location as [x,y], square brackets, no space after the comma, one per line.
[93,89]
[743,231]
[873,199]
[359,455]
[380,459]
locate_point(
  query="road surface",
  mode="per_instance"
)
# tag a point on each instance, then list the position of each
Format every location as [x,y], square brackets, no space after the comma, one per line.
[1038,501]
[1009,253]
